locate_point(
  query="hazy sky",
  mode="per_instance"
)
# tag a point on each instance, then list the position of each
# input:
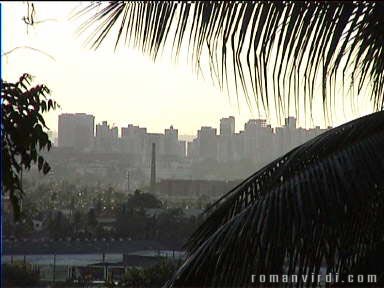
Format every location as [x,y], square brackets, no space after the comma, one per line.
[121,87]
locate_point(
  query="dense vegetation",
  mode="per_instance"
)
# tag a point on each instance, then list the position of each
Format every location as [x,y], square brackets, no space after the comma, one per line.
[68,210]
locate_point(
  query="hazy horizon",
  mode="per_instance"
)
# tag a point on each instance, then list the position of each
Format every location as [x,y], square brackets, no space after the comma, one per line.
[188,137]
[121,87]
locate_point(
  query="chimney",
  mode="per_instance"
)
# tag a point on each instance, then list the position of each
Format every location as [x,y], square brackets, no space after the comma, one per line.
[153,167]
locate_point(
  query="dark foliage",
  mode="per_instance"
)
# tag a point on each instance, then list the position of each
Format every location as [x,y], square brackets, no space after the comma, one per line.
[22,132]
[59,226]
[169,226]
[154,277]
[140,201]
[19,276]
[320,205]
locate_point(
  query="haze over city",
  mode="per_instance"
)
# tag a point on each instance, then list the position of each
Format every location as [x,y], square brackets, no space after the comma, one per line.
[192,144]
[254,146]
[114,86]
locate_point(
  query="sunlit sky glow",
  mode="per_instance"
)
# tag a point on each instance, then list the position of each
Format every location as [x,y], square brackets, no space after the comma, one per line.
[121,87]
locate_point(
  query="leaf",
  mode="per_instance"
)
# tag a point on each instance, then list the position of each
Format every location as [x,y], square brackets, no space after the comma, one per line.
[46,168]
[40,162]
[43,106]
[23,131]
[320,205]
[317,42]
[50,104]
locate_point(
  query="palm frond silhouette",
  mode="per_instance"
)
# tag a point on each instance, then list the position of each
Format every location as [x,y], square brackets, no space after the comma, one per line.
[321,204]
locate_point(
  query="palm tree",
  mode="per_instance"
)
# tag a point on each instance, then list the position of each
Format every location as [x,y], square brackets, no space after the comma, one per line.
[321,205]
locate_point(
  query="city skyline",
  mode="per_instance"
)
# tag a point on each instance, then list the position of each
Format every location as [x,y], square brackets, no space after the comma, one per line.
[237,128]
[119,90]
[258,141]
[213,154]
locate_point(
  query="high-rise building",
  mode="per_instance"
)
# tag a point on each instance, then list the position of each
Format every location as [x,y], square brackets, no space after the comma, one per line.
[171,142]
[257,141]
[172,146]
[207,138]
[133,140]
[106,137]
[227,126]
[226,140]
[76,130]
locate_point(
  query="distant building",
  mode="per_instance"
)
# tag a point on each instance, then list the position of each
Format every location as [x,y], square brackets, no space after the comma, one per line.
[258,141]
[227,126]
[106,139]
[207,139]
[138,141]
[76,131]
[133,140]
[171,142]
[256,145]
[193,149]
[172,146]
[183,148]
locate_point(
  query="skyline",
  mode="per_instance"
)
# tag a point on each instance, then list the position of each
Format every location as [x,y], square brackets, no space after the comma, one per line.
[192,144]
[175,92]
[238,126]
[114,85]
[257,142]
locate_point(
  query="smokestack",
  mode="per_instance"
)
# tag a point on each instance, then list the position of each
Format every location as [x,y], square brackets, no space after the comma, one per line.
[153,167]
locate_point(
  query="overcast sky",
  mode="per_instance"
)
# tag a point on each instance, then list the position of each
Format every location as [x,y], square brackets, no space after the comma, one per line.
[121,87]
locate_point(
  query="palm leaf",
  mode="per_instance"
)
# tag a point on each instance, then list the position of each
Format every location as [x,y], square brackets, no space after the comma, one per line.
[319,205]
[292,46]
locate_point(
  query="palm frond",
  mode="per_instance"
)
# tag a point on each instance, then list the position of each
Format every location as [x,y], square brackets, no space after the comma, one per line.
[277,51]
[320,205]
